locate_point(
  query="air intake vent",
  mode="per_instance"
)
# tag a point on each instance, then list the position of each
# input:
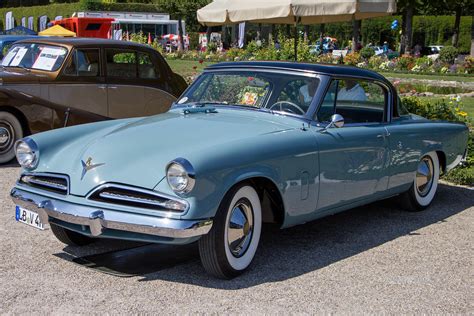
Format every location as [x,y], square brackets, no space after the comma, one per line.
[139,198]
[48,182]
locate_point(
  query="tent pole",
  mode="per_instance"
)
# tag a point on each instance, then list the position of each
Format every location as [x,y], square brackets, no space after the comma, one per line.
[296,39]
[296,43]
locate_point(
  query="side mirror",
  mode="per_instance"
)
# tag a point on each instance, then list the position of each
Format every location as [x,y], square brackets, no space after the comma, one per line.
[336,121]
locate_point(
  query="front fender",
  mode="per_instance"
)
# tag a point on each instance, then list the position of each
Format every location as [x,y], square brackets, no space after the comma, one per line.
[288,159]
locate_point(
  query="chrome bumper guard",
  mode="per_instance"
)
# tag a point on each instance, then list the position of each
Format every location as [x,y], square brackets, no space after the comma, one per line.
[98,220]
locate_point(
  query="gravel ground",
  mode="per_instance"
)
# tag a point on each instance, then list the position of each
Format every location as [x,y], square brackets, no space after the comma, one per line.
[368,260]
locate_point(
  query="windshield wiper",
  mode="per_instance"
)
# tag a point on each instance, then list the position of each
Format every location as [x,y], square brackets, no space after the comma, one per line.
[204,103]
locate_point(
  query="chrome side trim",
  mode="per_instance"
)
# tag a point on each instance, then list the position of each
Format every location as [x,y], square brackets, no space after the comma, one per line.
[98,220]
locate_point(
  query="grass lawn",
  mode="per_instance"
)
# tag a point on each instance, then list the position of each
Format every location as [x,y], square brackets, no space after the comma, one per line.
[186,67]
[468,104]
[429,77]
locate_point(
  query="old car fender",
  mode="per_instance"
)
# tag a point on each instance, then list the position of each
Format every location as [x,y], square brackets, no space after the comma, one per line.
[289,160]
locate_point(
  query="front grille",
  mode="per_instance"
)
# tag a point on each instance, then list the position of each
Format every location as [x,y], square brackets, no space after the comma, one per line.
[48,182]
[134,197]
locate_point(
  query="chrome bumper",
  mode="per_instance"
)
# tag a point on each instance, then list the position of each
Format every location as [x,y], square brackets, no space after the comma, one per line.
[99,220]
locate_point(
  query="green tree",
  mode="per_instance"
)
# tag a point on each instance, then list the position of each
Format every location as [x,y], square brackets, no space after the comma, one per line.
[458,7]
[408,8]
[183,10]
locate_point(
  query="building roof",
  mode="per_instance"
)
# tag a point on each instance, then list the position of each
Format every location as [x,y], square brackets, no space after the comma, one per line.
[334,70]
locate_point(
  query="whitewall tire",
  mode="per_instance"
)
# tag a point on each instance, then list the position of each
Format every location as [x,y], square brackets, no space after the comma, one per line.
[229,248]
[425,183]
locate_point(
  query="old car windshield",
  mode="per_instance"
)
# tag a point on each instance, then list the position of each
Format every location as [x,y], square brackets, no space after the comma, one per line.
[287,93]
[35,56]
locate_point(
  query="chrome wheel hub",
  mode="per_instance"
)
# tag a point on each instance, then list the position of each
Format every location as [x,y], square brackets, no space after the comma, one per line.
[424,176]
[240,228]
[5,137]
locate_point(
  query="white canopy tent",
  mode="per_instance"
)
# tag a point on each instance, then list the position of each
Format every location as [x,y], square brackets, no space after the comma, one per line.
[220,12]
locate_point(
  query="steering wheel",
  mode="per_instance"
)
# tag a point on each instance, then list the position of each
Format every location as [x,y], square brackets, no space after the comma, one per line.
[280,104]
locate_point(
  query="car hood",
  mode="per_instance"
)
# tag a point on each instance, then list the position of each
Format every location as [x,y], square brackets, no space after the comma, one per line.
[137,152]
[15,75]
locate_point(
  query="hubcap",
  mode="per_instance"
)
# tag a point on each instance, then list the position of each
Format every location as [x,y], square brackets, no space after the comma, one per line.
[5,137]
[424,176]
[240,228]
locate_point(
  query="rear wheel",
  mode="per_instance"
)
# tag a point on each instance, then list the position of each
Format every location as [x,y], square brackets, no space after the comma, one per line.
[69,237]
[10,131]
[230,246]
[425,183]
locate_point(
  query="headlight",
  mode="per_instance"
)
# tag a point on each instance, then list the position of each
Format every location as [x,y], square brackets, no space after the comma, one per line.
[27,153]
[180,175]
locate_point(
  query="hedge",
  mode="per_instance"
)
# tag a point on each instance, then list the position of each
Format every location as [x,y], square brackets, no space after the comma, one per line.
[67,9]
[51,10]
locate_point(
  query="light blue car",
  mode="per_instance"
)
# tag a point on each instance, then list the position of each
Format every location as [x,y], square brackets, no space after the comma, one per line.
[247,143]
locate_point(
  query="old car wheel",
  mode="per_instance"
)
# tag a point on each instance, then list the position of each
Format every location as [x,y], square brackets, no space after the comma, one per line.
[229,248]
[425,184]
[69,237]
[10,132]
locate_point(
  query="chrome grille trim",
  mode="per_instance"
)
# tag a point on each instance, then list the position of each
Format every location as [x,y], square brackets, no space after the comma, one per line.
[136,197]
[50,182]
[123,197]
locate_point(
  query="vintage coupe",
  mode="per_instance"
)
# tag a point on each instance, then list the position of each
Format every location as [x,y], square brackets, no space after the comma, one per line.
[49,83]
[246,144]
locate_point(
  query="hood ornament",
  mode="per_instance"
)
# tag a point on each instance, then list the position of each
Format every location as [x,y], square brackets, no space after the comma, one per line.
[88,165]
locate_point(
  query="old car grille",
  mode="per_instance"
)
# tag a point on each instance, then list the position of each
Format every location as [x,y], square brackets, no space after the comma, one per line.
[135,197]
[48,182]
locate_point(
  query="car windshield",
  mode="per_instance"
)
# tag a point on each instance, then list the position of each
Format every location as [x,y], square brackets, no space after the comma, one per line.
[282,92]
[35,56]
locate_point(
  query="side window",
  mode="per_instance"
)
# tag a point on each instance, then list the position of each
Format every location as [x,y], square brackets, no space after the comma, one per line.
[296,96]
[327,109]
[121,63]
[146,68]
[358,101]
[84,63]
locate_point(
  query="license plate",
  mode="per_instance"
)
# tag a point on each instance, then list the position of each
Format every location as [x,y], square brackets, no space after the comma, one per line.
[28,217]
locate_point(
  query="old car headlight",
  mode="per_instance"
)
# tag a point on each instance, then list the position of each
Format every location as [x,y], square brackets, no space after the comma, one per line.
[27,153]
[180,175]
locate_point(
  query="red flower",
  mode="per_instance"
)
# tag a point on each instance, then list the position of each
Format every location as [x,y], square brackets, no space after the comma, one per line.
[250,78]
[201,61]
[194,67]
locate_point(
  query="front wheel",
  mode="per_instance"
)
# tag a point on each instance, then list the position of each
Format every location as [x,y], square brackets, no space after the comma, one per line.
[10,131]
[69,237]
[230,246]
[425,183]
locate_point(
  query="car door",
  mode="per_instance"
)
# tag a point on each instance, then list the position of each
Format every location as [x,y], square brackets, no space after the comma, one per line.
[353,157]
[81,87]
[135,84]
[152,75]
[125,96]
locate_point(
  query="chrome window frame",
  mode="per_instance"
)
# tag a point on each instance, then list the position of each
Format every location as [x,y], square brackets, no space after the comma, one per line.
[389,102]
[293,72]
